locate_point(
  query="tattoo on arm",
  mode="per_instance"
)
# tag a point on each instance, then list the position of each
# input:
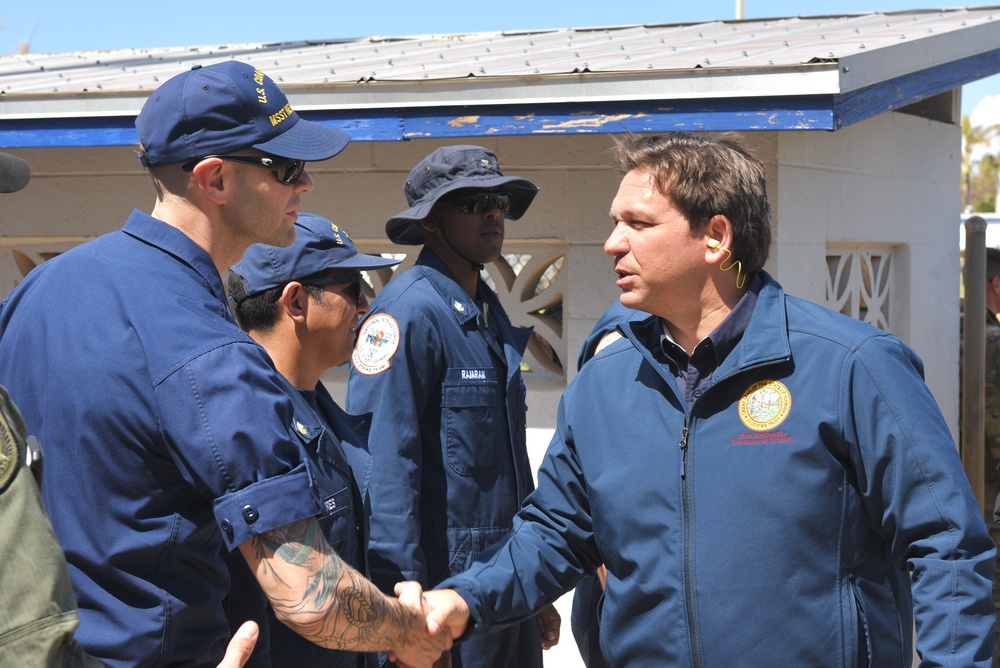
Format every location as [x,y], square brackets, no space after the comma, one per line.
[321,597]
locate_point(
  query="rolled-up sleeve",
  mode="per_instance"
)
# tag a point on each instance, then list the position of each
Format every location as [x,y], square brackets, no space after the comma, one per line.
[240,452]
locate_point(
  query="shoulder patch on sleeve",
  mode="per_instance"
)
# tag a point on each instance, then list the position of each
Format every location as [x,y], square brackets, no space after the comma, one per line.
[378,341]
[11,454]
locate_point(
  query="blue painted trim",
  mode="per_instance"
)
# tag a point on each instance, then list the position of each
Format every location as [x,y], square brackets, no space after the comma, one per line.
[818,112]
[67,132]
[864,103]
[803,113]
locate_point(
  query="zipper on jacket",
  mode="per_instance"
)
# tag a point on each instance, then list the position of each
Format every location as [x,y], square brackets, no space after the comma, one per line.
[688,557]
[688,568]
[684,450]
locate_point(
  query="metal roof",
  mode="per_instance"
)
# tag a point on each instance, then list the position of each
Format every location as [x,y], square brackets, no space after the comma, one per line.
[818,72]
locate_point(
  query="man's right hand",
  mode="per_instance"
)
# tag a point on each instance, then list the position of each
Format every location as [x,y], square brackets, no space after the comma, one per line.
[419,648]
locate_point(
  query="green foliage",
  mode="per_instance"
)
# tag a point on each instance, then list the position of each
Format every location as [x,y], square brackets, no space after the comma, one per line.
[979,178]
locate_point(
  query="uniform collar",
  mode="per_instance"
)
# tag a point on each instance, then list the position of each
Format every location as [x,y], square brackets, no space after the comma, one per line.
[461,305]
[170,240]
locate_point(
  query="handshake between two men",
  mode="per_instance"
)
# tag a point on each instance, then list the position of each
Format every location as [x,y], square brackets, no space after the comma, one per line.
[447,616]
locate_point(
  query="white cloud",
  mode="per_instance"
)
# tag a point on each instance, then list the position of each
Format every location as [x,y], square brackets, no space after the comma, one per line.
[986,111]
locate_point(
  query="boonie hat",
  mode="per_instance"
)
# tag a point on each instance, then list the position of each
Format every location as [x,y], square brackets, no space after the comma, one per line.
[226,107]
[446,170]
[319,245]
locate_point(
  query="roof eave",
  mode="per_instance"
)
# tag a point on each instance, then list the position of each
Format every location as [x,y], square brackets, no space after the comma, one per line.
[588,87]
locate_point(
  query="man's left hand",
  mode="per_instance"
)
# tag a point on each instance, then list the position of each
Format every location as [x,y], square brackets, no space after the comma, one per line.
[550,622]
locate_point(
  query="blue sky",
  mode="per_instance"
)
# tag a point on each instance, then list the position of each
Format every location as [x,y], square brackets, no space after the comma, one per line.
[77,25]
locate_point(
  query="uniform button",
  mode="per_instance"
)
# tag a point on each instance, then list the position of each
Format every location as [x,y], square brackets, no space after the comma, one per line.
[697,393]
[250,514]
[227,529]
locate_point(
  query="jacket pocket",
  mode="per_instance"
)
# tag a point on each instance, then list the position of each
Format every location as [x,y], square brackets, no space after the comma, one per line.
[466,544]
[471,414]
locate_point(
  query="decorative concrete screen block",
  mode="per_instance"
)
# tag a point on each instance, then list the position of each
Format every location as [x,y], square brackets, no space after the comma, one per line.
[530,287]
[859,283]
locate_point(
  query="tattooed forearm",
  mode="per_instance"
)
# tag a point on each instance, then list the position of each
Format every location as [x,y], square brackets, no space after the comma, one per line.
[293,543]
[321,597]
[365,607]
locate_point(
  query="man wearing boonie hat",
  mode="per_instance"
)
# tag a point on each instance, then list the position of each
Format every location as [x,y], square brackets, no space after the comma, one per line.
[303,304]
[437,363]
[169,434]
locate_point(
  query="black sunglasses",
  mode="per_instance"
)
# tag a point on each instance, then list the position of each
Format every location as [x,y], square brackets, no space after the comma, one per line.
[287,171]
[479,202]
[355,284]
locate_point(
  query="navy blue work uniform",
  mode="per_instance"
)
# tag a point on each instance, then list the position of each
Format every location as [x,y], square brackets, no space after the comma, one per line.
[335,446]
[441,375]
[169,437]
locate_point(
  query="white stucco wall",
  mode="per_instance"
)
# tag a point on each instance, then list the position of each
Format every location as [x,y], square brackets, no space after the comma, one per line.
[892,180]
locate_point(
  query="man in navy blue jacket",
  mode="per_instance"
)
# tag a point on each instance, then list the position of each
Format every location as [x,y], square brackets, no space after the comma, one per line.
[768,483]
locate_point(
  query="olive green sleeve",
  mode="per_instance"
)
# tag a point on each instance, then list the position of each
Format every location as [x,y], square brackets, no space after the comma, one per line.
[39,612]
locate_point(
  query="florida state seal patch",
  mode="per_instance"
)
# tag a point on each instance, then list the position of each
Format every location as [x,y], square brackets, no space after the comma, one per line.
[765,405]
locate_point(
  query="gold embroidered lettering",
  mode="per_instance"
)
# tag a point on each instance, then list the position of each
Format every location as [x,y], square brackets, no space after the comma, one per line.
[258,78]
[281,114]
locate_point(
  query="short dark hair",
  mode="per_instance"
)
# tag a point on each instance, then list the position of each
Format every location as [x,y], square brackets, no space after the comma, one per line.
[992,263]
[704,176]
[259,312]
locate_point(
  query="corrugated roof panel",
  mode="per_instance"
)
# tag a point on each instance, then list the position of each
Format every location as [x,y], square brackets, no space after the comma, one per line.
[717,44]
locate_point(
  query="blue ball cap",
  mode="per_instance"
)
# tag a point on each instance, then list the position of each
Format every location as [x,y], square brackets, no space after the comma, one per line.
[227,107]
[319,245]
